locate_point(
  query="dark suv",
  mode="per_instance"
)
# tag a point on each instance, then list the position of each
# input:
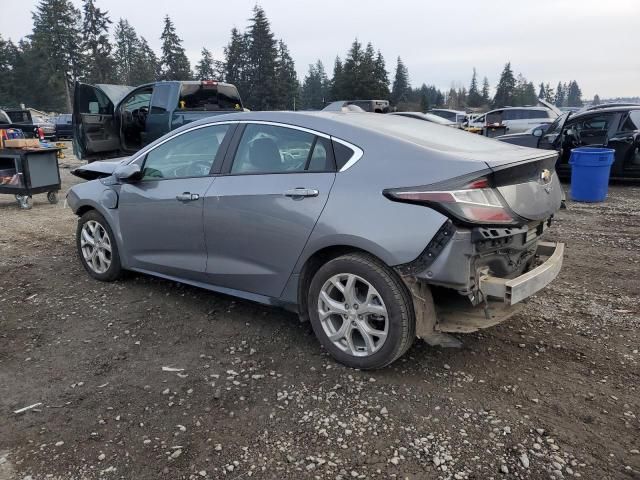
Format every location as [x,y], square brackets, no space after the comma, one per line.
[613,127]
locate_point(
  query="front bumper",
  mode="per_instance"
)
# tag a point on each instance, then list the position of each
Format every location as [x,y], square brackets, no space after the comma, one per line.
[514,290]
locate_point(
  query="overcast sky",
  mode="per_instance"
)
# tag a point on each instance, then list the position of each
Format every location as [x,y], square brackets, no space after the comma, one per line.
[591,41]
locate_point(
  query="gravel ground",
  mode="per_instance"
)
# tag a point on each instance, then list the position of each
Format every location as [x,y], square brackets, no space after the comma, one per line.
[553,393]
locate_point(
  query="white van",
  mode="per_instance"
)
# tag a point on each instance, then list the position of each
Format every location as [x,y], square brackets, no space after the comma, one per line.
[516,119]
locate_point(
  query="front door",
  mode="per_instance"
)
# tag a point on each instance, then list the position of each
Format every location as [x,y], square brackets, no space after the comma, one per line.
[94,124]
[260,213]
[161,214]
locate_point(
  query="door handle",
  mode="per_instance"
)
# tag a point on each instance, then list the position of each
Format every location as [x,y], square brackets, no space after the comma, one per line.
[301,192]
[187,197]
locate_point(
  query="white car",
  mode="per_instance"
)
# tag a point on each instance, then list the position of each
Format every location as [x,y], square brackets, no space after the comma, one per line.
[516,119]
[456,116]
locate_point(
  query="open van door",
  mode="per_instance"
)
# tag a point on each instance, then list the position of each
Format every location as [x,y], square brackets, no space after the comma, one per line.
[95,128]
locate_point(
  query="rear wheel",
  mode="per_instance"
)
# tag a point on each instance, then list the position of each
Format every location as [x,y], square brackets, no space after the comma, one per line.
[97,248]
[361,312]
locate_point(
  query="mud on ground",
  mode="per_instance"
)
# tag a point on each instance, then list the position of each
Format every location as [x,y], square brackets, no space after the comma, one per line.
[551,393]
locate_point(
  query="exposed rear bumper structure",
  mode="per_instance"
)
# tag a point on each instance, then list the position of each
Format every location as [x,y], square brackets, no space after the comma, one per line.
[501,298]
[512,291]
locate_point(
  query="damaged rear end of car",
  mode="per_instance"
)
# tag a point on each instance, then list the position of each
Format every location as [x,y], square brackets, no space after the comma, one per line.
[489,255]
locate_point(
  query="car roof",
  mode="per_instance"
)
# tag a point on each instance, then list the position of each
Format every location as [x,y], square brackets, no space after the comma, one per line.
[622,108]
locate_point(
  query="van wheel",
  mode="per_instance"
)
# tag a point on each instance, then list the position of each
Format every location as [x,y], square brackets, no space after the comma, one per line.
[97,247]
[361,311]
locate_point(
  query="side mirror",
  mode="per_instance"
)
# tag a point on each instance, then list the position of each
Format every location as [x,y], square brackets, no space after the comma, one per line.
[128,173]
[537,132]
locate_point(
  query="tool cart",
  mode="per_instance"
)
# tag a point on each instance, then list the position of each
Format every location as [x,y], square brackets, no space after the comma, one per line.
[25,172]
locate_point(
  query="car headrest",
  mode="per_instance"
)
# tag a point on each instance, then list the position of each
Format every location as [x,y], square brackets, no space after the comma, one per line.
[264,155]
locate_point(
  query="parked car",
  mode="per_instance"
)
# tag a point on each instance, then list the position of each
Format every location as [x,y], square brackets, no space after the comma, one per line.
[47,127]
[20,120]
[515,119]
[456,116]
[609,105]
[112,120]
[427,117]
[373,106]
[376,228]
[613,127]
[64,125]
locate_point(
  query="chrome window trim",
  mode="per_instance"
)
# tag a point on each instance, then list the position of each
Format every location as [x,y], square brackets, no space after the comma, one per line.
[357,151]
[357,154]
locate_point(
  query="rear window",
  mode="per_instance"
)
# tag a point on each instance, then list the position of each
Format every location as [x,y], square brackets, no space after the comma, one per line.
[19,116]
[209,97]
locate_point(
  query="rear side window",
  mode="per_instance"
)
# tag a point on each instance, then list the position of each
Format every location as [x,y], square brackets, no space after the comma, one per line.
[19,117]
[537,114]
[342,153]
[208,96]
[272,149]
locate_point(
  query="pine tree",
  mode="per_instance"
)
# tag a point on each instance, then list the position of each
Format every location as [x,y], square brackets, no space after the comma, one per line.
[100,66]
[486,96]
[381,78]
[400,88]
[475,97]
[236,61]
[560,95]
[262,89]
[205,68]
[288,86]
[8,56]
[424,98]
[315,87]
[574,95]
[175,64]
[57,46]
[550,95]
[126,51]
[542,92]
[337,82]
[596,99]
[148,66]
[352,72]
[506,88]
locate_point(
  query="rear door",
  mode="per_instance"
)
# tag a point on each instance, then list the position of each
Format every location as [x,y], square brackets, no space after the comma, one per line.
[95,129]
[260,212]
[626,142]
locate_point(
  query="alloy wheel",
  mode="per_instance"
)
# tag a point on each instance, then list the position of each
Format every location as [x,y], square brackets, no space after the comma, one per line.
[96,246]
[353,314]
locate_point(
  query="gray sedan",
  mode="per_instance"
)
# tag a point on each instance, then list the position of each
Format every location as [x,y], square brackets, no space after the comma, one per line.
[378,229]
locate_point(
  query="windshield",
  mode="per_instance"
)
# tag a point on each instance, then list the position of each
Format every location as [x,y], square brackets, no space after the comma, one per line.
[557,124]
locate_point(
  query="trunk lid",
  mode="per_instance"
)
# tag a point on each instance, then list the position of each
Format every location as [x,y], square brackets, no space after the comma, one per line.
[531,187]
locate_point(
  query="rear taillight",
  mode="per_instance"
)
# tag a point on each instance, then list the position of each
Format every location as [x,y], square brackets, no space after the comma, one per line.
[476,202]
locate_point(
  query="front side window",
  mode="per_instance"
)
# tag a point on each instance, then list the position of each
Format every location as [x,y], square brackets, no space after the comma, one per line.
[188,155]
[273,149]
[596,122]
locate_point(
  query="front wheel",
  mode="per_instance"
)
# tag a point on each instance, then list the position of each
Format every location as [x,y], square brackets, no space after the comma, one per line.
[97,248]
[361,311]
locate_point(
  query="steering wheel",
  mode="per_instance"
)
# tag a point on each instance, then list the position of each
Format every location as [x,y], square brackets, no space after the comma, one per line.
[199,168]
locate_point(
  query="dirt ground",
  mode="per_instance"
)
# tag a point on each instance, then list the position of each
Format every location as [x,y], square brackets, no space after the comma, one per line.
[553,393]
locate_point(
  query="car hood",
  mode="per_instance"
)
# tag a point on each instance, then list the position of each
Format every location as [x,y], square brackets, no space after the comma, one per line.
[101,169]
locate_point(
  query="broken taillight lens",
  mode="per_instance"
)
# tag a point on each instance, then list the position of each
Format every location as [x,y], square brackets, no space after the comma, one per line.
[476,202]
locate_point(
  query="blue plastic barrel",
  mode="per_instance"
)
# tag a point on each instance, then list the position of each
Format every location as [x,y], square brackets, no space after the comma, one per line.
[590,168]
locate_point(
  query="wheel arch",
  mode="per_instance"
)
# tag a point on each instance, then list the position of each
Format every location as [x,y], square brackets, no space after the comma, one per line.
[313,263]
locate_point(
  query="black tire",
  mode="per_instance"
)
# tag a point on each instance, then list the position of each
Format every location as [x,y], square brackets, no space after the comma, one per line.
[396,297]
[114,271]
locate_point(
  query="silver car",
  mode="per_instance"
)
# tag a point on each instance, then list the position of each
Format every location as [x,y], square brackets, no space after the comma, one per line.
[376,228]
